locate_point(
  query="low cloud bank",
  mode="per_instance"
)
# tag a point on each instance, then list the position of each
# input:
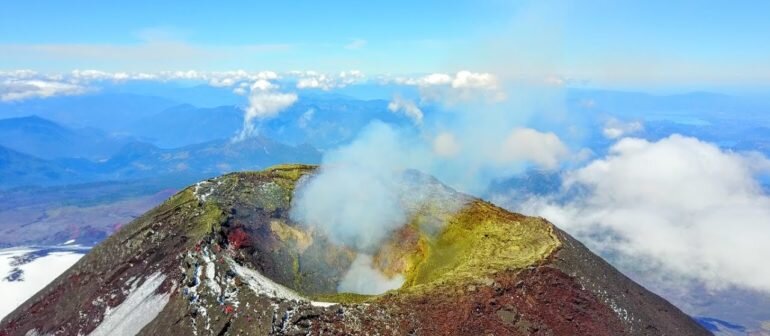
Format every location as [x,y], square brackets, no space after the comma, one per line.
[677,207]
[21,89]
[615,129]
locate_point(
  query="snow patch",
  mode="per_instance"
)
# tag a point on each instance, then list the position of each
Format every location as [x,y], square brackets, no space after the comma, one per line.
[139,308]
[203,190]
[262,285]
[211,272]
[20,281]
[34,332]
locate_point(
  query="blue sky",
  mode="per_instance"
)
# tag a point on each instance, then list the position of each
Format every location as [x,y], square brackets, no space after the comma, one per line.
[615,42]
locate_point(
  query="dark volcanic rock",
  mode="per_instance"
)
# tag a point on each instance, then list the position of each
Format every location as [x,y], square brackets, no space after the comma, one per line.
[224,258]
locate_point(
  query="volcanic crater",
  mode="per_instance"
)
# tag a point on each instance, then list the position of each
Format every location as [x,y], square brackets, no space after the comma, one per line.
[225,257]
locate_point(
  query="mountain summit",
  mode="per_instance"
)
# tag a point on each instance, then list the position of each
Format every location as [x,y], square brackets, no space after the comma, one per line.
[224,257]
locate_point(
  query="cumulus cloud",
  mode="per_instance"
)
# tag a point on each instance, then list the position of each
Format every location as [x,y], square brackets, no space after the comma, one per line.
[615,128]
[431,80]
[326,82]
[526,144]
[407,107]
[471,80]
[678,206]
[264,102]
[238,80]
[454,88]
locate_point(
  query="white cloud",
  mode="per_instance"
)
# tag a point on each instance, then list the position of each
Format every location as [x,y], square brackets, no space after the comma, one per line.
[679,206]
[22,89]
[215,78]
[239,91]
[461,86]
[262,85]
[319,82]
[222,82]
[326,82]
[407,107]
[615,128]
[544,149]
[47,85]
[472,80]
[20,74]
[434,79]
[232,78]
[264,102]
[96,75]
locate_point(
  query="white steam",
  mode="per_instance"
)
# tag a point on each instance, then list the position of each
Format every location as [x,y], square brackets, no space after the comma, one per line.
[264,102]
[545,149]
[407,107]
[445,145]
[358,197]
[354,199]
[363,278]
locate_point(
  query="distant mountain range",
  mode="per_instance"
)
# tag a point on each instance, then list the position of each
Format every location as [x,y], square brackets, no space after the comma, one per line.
[142,160]
[46,139]
[111,112]
[116,137]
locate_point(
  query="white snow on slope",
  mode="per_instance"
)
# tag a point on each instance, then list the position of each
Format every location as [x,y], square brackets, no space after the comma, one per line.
[139,308]
[262,285]
[36,274]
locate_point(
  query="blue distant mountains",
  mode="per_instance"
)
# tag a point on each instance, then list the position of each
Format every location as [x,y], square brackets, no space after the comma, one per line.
[115,135]
[122,136]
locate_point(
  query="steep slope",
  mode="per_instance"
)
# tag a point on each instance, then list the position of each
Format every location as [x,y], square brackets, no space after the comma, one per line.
[223,257]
